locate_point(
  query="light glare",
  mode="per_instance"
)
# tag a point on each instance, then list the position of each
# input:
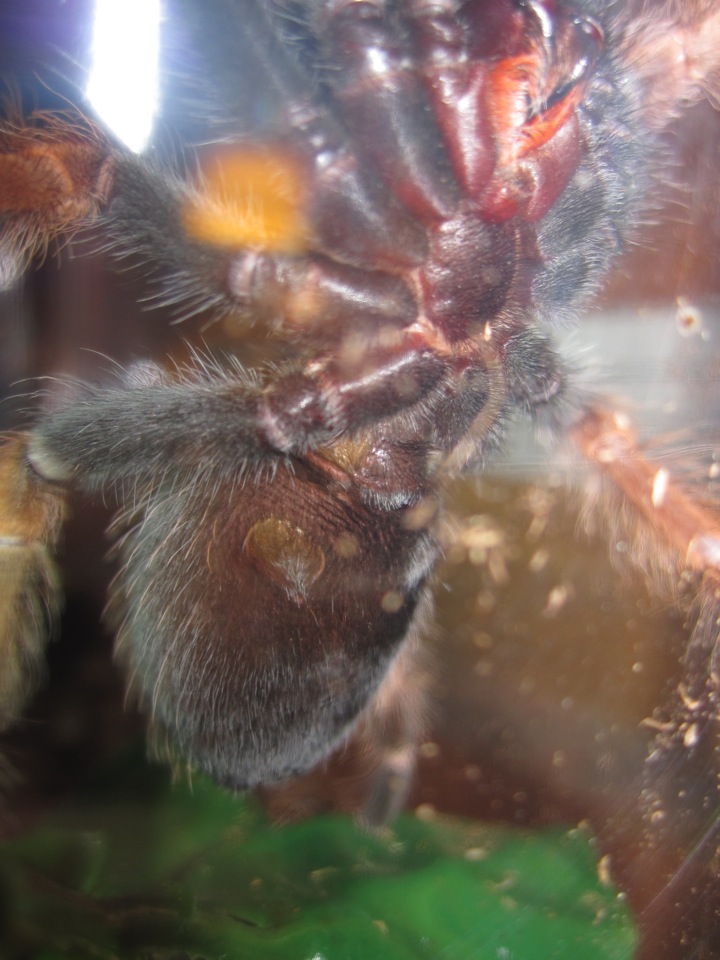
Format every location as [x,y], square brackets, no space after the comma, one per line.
[124,78]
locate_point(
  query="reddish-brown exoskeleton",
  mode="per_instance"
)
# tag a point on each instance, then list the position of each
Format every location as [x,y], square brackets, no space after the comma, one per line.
[452,179]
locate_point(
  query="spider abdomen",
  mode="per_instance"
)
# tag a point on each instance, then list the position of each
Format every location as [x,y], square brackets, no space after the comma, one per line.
[258,623]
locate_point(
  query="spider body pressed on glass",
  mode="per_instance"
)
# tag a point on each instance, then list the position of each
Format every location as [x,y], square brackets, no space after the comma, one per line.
[453,178]
[280,528]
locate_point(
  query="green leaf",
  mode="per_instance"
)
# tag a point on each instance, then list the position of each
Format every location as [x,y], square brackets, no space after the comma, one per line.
[177,872]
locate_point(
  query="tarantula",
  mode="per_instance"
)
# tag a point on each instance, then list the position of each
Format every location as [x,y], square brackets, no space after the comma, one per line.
[443,182]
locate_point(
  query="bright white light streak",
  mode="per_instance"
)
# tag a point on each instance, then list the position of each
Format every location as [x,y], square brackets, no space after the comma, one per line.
[124,78]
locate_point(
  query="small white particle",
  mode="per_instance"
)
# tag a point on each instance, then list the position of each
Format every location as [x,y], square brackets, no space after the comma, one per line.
[659,487]
[691,736]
